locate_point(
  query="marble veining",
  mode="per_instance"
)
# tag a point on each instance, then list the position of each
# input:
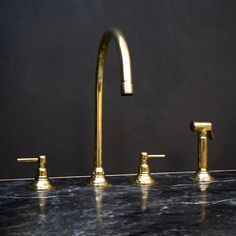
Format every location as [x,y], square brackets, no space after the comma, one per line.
[176,206]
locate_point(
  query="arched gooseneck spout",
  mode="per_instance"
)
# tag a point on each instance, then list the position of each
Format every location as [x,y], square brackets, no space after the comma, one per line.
[98,176]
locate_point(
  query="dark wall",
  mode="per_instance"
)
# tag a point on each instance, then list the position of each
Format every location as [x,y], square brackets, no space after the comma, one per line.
[184,68]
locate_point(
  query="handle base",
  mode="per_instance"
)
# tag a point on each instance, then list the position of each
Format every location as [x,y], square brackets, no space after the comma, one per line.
[41,185]
[144,179]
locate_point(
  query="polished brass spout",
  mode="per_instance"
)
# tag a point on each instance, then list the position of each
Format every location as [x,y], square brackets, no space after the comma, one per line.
[98,176]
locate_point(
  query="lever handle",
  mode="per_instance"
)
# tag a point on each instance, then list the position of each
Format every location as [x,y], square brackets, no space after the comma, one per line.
[41,160]
[28,159]
[144,156]
[156,156]
[41,181]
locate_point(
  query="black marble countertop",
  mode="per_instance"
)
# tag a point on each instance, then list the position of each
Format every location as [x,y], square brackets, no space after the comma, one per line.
[176,206]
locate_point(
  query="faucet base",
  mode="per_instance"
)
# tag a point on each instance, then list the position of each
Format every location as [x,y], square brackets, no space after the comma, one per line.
[42,184]
[98,178]
[144,179]
[202,176]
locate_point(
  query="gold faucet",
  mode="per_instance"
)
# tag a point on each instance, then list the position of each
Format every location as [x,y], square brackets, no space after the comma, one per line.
[41,181]
[204,132]
[98,177]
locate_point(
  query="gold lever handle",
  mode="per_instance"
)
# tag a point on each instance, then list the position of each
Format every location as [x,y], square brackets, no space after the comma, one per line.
[155,156]
[41,181]
[144,156]
[28,159]
[41,160]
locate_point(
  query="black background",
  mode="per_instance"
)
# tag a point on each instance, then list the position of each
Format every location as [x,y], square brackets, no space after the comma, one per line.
[184,68]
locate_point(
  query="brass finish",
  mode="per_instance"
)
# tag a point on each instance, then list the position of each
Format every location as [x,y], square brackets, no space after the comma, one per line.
[143,176]
[98,177]
[41,181]
[204,130]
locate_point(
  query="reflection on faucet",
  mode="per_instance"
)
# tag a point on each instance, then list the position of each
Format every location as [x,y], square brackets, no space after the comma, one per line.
[145,193]
[98,196]
[203,199]
[98,176]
